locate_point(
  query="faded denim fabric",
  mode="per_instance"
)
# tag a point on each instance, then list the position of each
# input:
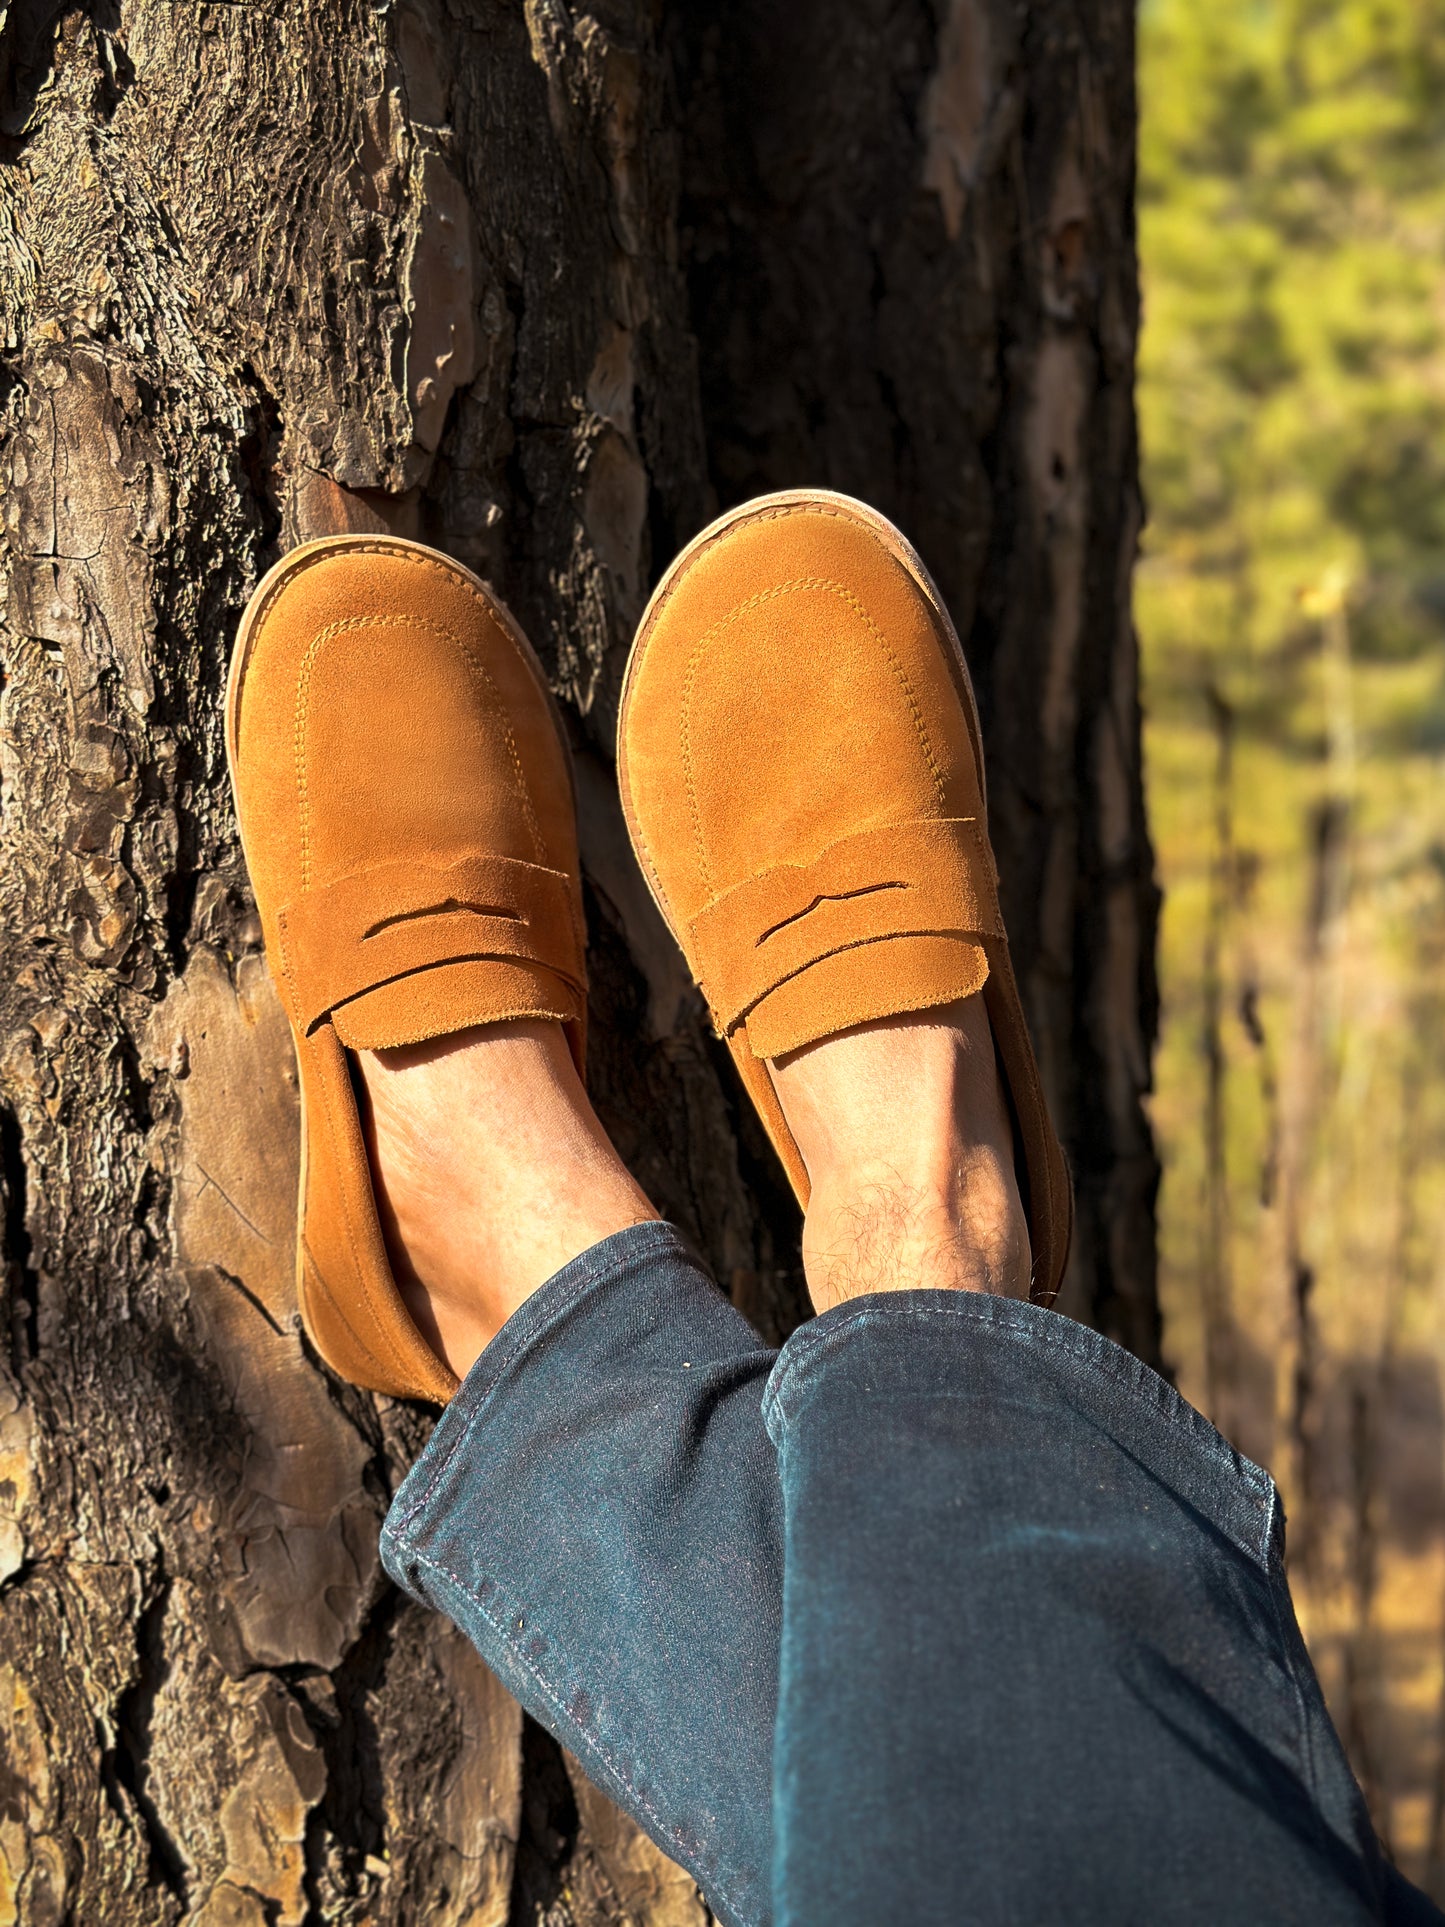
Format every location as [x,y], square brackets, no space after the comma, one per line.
[1039,1660]
[1015,1612]
[598,1510]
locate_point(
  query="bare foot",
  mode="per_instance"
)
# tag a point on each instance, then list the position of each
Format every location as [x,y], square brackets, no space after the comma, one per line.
[904,1130]
[491,1172]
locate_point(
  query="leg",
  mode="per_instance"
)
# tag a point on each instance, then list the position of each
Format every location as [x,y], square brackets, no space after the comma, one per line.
[1004,1580]
[1037,1662]
[598,1507]
[402,785]
[1038,1657]
[598,1510]
[903,1128]
[491,1173]
[1034,1640]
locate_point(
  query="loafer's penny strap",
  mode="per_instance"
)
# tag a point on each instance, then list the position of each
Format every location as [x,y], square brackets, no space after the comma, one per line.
[341,939]
[930,877]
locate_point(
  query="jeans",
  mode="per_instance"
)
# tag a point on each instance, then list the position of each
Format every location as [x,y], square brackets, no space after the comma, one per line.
[950,1611]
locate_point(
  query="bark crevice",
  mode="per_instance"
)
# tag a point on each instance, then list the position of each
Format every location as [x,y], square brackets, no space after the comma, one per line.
[24,1280]
[126,1762]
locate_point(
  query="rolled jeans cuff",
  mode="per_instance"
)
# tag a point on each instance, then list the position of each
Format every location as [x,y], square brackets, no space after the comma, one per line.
[598,1510]
[1038,1648]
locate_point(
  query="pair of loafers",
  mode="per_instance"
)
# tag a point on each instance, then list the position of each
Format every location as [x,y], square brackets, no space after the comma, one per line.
[802,778]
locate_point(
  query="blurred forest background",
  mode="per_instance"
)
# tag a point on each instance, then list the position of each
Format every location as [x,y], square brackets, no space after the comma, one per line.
[1291,603]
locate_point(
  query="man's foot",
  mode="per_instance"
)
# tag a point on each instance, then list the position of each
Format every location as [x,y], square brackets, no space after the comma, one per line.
[904,1130]
[491,1173]
[402,782]
[802,775]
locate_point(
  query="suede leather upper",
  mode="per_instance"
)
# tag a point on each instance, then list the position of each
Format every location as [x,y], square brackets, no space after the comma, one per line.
[405,801]
[803,780]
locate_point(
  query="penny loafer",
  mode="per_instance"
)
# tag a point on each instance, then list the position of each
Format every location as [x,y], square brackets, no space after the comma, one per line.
[403,786]
[802,777]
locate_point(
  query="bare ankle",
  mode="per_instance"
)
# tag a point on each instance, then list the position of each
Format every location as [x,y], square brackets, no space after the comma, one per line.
[491,1173]
[885,1232]
[909,1148]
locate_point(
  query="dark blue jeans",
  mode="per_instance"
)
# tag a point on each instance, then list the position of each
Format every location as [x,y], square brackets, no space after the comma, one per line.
[949,1612]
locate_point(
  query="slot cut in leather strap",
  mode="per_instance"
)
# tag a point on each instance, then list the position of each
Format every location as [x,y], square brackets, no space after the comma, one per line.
[931,876]
[343,938]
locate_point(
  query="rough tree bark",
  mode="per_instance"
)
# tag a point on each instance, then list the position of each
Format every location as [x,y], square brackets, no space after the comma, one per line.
[545,285]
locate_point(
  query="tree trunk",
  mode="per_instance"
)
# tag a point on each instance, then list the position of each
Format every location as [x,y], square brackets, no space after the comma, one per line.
[543,287]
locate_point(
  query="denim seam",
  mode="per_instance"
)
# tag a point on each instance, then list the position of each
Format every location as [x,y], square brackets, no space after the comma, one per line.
[591,1280]
[606,1755]
[1177,1417]
[1072,1338]
[1310,1760]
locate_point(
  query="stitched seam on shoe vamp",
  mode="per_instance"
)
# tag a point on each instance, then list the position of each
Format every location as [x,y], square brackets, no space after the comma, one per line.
[778,513]
[508,1358]
[303,806]
[288,972]
[797,586]
[433,564]
[605,1753]
[475,667]
[1179,1418]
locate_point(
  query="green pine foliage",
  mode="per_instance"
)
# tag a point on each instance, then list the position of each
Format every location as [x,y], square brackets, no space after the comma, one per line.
[1291,607]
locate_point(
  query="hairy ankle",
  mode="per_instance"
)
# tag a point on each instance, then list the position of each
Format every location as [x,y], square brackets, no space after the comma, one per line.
[491,1173]
[881,1231]
[906,1136]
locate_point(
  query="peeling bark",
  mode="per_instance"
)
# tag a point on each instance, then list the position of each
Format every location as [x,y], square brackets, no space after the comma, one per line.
[544,287]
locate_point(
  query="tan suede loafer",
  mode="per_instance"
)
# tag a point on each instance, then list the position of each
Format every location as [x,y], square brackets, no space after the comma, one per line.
[404,792]
[802,777]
